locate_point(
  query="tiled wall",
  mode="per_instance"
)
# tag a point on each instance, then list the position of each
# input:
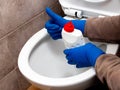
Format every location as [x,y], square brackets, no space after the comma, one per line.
[19,20]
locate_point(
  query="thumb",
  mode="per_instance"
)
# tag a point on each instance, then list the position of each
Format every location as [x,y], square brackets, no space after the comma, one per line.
[57,19]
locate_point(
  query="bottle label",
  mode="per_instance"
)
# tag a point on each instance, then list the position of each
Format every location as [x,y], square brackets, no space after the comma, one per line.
[71,36]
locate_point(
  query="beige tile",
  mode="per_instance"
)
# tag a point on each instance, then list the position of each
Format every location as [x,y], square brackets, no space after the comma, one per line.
[7,60]
[15,12]
[9,82]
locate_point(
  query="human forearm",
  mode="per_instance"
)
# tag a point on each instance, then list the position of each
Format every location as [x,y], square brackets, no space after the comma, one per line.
[108,70]
[105,29]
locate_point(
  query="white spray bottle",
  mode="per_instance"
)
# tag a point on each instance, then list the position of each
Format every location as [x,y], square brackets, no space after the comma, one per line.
[71,36]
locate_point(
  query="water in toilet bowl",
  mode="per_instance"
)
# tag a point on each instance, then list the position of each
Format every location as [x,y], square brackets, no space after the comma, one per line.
[48,60]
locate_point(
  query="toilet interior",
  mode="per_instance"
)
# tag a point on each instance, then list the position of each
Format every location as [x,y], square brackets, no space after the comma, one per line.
[47,59]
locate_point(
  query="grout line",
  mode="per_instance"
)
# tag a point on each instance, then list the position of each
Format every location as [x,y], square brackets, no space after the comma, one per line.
[25,23]
[22,25]
[14,69]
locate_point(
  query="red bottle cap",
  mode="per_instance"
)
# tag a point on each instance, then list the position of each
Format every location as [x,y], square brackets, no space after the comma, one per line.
[69,27]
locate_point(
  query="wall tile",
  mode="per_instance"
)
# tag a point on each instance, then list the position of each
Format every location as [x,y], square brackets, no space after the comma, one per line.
[7,60]
[10,82]
[22,82]
[15,12]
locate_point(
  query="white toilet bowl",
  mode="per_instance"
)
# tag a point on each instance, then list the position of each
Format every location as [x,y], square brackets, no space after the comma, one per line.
[42,61]
[43,64]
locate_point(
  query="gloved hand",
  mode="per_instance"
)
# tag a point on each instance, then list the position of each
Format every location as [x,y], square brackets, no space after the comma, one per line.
[83,56]
[55,25]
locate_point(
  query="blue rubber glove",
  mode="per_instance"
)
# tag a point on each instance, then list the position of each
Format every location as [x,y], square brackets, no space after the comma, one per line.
[83,56]
[53,29]
[55,25]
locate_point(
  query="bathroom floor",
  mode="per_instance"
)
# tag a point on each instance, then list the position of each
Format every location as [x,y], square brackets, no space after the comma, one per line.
[95,87]
[33,88]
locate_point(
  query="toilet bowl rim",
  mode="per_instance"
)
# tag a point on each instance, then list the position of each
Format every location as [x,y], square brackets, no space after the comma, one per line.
[26,70]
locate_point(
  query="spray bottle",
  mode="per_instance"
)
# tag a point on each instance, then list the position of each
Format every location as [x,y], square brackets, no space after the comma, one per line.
[71,36]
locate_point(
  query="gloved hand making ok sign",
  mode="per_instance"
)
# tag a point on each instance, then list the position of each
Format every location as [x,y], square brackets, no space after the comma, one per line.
[55,24]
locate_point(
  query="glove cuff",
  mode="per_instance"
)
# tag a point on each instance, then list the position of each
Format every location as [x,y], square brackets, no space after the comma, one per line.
[94,53]
[79,24]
